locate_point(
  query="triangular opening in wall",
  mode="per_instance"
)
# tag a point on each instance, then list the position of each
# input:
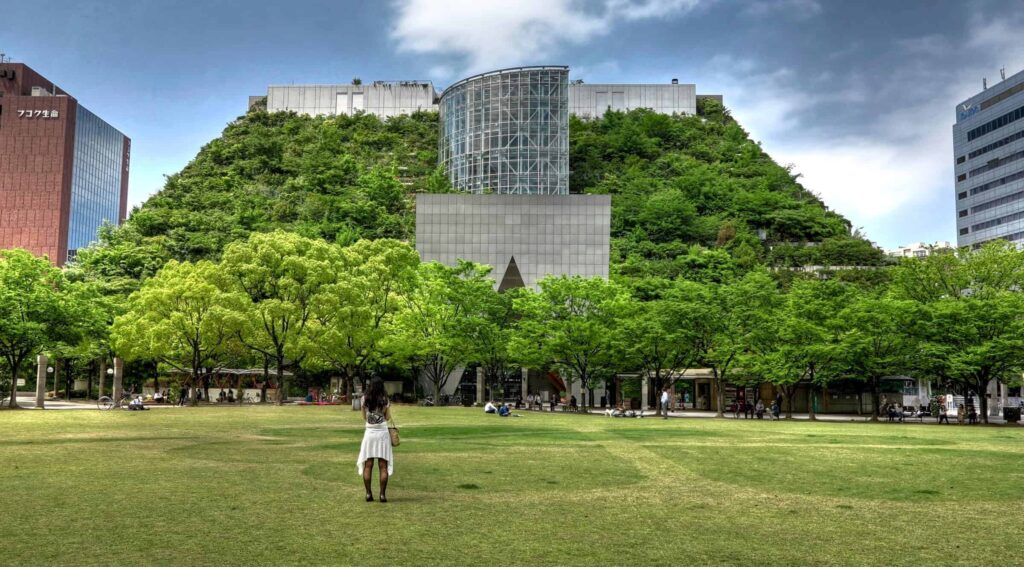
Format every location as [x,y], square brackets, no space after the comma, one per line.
[512,277]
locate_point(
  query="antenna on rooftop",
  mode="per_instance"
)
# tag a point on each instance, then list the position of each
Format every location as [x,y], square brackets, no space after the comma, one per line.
[1002,73]
[3,57]
[984,84]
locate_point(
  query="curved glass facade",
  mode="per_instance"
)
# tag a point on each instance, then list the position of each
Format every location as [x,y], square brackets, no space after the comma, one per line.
[507,132]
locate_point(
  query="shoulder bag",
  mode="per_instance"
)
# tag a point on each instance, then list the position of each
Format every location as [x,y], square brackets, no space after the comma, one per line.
[393,431]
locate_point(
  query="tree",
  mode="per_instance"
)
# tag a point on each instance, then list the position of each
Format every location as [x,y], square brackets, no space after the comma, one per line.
[875,340]
[435,329]
[663,334]
[735,312]
[187,316]
[352,314]
[281,273]
[33,311]
[972,306]
[493,335]
[797,342]
[570,324]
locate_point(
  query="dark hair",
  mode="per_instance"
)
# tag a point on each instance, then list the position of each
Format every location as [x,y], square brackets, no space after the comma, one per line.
[376,396]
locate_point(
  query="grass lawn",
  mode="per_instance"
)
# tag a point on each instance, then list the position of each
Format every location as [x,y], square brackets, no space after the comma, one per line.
[265,485]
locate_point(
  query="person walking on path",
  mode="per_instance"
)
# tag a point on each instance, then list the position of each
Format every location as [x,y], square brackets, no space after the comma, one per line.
[376,439]
[664,402]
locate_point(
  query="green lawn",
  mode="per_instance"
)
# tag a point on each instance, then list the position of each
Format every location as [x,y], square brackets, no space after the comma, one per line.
[264,485]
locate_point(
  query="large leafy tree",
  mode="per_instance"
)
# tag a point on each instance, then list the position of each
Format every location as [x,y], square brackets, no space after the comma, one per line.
[661,335]
[972,331]
[187,317]
[435,330]
[797,342]
[35,311]
[875,340]
[352,313]
[281,273]
[734,313]
[571,324]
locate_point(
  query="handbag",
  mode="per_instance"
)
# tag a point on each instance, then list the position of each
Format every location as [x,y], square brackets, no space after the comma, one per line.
[393,432]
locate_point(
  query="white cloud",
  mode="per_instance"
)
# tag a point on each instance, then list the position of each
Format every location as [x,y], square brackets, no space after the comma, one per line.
[487,34]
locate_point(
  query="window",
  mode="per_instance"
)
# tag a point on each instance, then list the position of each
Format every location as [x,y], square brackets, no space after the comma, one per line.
[961,177]
[962,195]
[962,213]
[963,231]
[961,159]
[997,144]
[993,125]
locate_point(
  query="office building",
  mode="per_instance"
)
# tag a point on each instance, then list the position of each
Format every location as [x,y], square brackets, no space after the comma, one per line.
[63,170]
[988,149]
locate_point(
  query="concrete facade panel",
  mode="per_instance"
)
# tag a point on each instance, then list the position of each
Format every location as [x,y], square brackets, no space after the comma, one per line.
[542,232]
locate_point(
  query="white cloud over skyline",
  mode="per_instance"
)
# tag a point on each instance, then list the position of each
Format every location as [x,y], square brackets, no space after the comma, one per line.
[480,35]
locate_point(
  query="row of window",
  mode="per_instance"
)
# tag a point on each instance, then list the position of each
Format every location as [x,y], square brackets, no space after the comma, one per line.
[995,203]
[998,221]
[998,162]
[992,125]
[997,183]
[993,146]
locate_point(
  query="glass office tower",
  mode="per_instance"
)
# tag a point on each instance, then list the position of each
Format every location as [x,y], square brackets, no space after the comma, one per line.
[95,179]
[506,132]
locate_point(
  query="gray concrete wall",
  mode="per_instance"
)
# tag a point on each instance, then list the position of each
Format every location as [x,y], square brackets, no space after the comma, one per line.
[593,100]
[547,234]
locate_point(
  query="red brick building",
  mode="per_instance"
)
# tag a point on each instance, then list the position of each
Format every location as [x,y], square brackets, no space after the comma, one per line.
[63,171]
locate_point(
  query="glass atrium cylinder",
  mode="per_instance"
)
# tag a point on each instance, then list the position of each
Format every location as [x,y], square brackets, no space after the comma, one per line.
[507,132]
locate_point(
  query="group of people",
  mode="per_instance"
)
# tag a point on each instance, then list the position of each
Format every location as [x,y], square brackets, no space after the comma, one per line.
[502,410]
[228,397]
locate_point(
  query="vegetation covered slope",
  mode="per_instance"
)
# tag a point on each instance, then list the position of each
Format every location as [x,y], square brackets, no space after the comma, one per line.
[693,196]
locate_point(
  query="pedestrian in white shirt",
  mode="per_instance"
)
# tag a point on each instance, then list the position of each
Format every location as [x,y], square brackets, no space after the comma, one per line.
[664,403]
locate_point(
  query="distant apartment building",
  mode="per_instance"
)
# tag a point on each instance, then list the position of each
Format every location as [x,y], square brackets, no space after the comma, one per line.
[919,249]
[988,149]
[63,170]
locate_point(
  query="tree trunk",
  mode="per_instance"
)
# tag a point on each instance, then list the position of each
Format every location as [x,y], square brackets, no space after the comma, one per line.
[874,399]
[810,403]
[13,402]
[983,400]
[789,392]
[716,384]
[266,379]
[280,382]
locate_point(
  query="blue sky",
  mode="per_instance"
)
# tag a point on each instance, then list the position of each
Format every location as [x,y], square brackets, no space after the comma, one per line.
[859,96]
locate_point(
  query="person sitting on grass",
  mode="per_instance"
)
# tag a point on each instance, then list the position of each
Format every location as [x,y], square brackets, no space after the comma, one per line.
[158,398]
[503,411]
[136,404]
[615,411]
[490,408]
[759,409]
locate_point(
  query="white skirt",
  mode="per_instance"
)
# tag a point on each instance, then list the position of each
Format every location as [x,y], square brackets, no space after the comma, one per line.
[376,445]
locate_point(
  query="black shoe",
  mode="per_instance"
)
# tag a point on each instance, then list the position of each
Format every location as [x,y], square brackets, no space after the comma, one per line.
[383,499]
[369,497]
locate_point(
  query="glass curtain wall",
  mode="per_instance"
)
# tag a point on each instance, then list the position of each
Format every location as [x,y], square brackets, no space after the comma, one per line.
[507,132]
[95,179]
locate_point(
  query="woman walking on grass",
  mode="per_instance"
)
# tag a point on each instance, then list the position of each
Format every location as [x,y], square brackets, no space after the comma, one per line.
[376,439]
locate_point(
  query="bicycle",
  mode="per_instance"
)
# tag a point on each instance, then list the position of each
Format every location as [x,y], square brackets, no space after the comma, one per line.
[107,403]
